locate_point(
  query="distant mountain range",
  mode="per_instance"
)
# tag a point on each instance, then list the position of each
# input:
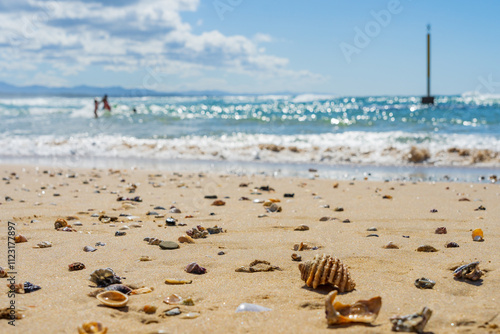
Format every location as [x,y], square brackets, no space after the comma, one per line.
[11,90]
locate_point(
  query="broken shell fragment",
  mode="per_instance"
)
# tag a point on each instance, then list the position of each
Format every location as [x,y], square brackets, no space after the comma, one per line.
[5,313]
[477,235]
[89,249]
[44,244]
[60,223]
[185,239]
[173,299]
[426,248]
[301,228]
[218,203]
[424,283]
[273,208]
[441,230]
[120,288]
[76,266]
[177,281]
[27,287]
[325,269]
[195,268]
[362,311]
[303,246]
[391,245]
[104,277]
[92,328]
[469,271]
[257,266]
[141,291]
[3,273]
[190,315]
[451,244]
[296,257]
[113,298]
[412,322]
[149,309]
[20,238]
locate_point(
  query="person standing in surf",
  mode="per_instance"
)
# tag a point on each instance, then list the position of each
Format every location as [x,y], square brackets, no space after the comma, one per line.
[106,105]
[96,107]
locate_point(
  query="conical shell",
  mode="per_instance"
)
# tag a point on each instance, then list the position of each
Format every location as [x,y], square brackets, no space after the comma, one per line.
[365,311]
[113,298]
[325,269]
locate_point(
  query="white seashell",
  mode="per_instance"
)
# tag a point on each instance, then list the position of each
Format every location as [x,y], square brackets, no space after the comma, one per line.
[113,298]
[246,307]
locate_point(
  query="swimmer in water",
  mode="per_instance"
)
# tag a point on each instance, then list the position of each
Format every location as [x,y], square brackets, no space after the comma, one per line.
[96,106]
[106,105]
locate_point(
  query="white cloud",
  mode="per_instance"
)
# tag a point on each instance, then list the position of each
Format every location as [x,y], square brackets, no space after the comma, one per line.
[131,35]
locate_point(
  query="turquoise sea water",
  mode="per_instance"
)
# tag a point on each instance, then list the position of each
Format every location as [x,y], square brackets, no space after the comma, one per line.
[328,130]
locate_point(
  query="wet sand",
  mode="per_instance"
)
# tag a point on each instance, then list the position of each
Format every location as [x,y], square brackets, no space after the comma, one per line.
[63,304]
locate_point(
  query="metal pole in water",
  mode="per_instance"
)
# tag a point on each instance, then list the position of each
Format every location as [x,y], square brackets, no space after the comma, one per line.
[428,99]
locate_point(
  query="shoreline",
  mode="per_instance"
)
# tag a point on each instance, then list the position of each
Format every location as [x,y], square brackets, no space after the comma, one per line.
[42,195]
[413,173]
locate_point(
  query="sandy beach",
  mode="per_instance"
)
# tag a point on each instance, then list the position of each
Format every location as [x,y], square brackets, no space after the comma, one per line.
[34,197]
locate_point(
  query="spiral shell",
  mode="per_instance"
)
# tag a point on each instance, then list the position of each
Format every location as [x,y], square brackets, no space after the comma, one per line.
[60,222]
[325,269]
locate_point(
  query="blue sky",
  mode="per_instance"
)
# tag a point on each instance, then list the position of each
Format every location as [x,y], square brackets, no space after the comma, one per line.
[252,46]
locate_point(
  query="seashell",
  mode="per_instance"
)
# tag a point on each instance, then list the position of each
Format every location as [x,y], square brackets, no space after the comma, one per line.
[177,281]
[141,291]
[480,208]
[303,246]
[464,199]
[145,258]
[362,311]
[469,271]
[246,307]
[120,233]
[104,277]
[66,229]
[289,195]
[372,235]
[171,221]
[25,287]
[113,298]
[325,269]
[173,299]
[301,228]
[273,208]
[44,244]
[89,249]
[338,209]
[173,209]
[477,235]
[195,233]
[191,315]
[76,266]
[372,229]
[391,245]
[215,230]
[257,266]
[451,244]
[296,257]
[3,273]
[325,219]
[188,302]
[173,312]
[218,203]
[98,244]
[60,223]
[186,239]
[426,248]
[120,288]
[5,313]
[154,241]
[424,283]
[387,197]
[441,230]
[20,238]
[412,322]
[195,268]
[221,253]
[274,200]
[92,328]
[434,210]
[149,309]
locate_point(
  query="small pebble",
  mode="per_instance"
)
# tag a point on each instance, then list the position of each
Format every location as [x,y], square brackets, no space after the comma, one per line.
[120,233]
[426,248]
[302,228]
[89,249]
[221,253]
[173,312]
[169,245]
[372,235]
